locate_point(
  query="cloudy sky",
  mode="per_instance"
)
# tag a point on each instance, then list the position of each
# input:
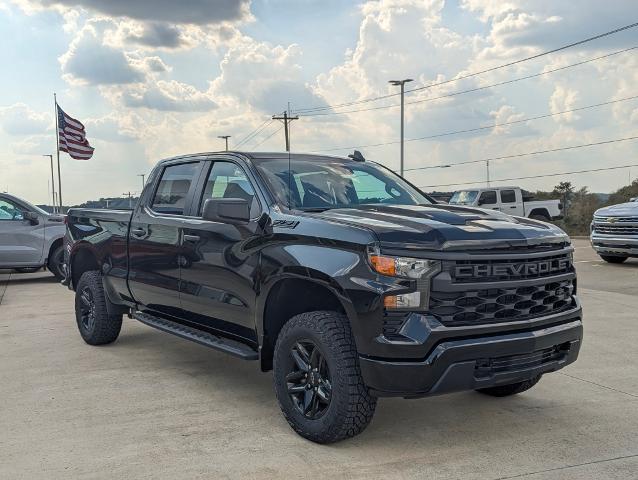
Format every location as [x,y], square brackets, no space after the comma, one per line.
[151,79]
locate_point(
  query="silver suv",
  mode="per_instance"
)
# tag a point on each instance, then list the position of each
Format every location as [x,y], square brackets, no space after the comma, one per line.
[30,238]
[614,232]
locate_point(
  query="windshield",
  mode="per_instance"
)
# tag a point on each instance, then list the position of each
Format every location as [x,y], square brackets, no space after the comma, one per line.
[320,184]
[464,197]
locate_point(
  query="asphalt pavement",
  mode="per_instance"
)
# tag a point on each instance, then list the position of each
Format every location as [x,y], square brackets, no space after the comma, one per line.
[154,406]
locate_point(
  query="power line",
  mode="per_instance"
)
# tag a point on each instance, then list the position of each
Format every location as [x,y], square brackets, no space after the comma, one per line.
[475,89]
[477,129]
[487,70]
[253,133]
[558,174]
[267,138]
[526,154]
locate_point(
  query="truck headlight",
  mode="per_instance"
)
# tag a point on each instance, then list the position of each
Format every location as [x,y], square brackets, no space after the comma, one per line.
[418,269]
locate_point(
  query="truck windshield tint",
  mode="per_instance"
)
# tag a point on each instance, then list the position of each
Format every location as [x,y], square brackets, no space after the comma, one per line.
[321,185]
[465,197]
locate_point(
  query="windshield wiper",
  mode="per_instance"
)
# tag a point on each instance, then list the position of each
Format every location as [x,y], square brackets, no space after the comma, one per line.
[316,209]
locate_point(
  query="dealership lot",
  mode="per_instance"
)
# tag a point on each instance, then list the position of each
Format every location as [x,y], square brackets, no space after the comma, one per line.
[152,405]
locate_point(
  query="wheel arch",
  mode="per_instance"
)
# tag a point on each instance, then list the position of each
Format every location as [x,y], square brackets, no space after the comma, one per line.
[542,212]
[291,295]
[82,259]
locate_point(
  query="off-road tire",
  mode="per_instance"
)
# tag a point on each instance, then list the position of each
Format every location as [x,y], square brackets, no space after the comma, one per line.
[351,406]
[613,258]
[512,389]
[56,261]
[102,328]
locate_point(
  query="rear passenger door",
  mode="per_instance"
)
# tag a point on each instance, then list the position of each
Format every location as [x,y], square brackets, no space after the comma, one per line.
[488,200]
[510,204]
[155,248]
[218,281]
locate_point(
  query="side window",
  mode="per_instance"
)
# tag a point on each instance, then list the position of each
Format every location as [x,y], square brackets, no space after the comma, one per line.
[508,196]
[488,197]
[10,211]
[228,180]
[174,184]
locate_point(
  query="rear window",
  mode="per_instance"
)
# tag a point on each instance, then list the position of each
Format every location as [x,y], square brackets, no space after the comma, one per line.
[173,188]
[508,196]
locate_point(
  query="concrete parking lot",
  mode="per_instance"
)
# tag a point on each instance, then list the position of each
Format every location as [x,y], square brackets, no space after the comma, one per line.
[155,406]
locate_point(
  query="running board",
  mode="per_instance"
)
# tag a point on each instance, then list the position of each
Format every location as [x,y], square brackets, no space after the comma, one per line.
[227,345]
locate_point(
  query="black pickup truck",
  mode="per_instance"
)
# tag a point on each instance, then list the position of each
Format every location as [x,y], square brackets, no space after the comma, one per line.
[340,276]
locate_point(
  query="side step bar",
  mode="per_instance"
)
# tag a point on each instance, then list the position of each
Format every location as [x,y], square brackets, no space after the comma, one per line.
[227,345]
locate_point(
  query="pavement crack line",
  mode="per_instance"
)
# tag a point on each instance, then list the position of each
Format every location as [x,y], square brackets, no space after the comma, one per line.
[3,288]
[598,384]
[594,462]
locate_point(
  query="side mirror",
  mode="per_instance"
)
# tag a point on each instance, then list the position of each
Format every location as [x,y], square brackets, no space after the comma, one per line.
[32,217]
[235,211]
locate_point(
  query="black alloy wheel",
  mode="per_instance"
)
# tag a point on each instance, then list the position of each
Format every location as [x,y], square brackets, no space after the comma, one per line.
[309,385]
[87,308]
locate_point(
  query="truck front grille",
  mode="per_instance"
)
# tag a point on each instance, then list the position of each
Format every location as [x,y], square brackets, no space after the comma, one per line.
[495,305]
[616,229]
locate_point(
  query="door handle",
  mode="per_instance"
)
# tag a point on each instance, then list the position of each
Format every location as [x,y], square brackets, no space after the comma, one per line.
[191,238]
[513,206]
[138,232]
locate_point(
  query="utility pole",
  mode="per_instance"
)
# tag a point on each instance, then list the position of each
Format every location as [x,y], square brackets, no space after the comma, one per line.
[130,199]
[287,119]
[142,175]
[225,137]
[52,182]
[401,83]
[487,165]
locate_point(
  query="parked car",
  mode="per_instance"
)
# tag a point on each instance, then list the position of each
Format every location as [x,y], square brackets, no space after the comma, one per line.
[510,200]
[30,238]
[614,232]
[339,275]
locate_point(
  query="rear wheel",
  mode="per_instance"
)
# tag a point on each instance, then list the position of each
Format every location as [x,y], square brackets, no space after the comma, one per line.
[613,259]
[56,261]
[512,389]
[317,378]
[96,326]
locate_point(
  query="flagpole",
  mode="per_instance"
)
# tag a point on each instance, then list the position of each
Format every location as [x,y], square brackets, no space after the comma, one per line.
[57,150]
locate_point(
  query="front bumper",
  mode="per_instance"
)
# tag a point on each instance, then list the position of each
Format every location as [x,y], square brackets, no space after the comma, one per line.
[615,245]
[478,362]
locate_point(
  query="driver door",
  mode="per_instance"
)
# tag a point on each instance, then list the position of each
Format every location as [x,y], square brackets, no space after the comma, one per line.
[21,242]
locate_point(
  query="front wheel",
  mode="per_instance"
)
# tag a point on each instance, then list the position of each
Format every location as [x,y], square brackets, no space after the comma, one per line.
[317,378]
[613,259]
[96,326]
[56,261]
[512,389]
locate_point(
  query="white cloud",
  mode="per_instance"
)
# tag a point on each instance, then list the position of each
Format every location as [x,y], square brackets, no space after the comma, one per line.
[19,119]
[170,96]
[90,61]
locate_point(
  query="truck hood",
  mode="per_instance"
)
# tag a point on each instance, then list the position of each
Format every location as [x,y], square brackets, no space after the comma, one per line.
[443,227]
[628,209]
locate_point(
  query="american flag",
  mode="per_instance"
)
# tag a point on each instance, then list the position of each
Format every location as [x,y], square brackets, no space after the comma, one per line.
[72,137]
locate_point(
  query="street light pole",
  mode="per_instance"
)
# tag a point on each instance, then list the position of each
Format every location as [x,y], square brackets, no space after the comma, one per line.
[401,83]
[225,137]
[52,182]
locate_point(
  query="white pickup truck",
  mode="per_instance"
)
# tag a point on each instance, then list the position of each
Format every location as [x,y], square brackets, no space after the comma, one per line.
[510,200]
